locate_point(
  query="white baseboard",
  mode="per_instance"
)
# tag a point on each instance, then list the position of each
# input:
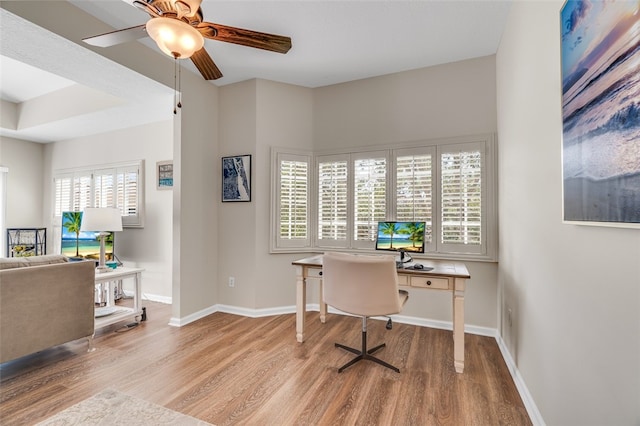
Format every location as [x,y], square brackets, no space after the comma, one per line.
[179,322]
[153,297]
[527,399]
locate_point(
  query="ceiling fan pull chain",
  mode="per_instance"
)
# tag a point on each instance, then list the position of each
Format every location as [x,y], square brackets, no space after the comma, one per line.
[175,95]
[177,77]
[179,86]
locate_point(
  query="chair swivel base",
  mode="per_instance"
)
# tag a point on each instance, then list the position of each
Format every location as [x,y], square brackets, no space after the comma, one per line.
[364,354]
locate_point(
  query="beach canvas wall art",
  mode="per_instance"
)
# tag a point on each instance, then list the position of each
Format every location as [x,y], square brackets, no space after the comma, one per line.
[78,244]
[236,178]
[600,54]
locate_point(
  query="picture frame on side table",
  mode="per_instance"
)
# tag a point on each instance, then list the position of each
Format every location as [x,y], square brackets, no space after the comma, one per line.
[600,113]
[164,174]
[236,178]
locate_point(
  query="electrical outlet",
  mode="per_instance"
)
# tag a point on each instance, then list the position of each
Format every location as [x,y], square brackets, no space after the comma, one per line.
[509,319]
[232,282]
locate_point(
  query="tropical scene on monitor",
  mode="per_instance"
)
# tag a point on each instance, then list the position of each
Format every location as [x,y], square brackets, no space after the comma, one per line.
[82,244]
[407,236]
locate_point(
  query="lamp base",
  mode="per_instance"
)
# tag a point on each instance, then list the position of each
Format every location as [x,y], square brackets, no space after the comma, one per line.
[102,269]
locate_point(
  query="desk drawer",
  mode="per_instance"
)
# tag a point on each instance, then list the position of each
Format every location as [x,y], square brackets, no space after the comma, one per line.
[430,282]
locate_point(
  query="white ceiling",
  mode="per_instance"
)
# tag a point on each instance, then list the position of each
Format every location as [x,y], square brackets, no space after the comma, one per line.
[333,42]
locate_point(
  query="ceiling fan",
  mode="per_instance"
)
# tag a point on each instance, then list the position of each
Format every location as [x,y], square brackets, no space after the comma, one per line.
[178,29]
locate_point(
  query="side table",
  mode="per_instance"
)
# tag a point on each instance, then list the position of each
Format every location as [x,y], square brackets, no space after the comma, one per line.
[120,313]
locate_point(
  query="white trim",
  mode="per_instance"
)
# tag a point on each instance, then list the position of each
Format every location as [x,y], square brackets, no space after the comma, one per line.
[167,300]
[256,313]
[179,322]
[283,310]
[527,399]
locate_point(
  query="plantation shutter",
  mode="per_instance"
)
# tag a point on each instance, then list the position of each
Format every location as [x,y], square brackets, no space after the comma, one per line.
[369,196]
[103,188]
[292,205]
[332,201]
[128,190]
[116,186]
[81,192]
[414,189]
[461,192]
[62,198]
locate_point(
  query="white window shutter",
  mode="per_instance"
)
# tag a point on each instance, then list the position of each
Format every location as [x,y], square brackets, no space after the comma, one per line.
[119,185]
[414,189]
[81,192]
[332,201]
[129,194]
[62,185]
[369,196]
[291,209]
[461,198]
[104,188]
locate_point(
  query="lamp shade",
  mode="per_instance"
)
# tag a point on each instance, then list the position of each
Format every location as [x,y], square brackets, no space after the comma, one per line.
[101,219]
[175,37]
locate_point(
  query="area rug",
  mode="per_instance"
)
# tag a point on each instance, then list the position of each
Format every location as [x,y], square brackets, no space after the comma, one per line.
[112,408]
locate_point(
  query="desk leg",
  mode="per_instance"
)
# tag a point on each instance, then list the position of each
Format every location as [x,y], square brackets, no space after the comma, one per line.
[458,325]
[301,303]
[323,306]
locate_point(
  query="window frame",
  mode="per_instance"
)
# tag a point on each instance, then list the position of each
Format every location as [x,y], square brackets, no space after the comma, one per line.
[485,143]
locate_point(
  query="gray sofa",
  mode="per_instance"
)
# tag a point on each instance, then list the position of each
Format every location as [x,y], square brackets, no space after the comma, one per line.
[44,301]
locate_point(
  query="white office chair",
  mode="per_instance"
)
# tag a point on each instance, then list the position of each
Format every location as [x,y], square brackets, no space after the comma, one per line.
[364,286]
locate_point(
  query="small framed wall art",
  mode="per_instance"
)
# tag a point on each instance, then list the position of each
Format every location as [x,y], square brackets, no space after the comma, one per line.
[236,178]
[164,174]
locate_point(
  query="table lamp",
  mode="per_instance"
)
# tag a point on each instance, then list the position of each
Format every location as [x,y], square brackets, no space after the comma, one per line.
[102,220]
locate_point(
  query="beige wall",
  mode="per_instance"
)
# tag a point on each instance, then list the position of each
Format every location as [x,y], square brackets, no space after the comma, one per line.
[442,101]
[573,291]
[237,225]
[24,183]
[255,116]
[284,119]
[196,159]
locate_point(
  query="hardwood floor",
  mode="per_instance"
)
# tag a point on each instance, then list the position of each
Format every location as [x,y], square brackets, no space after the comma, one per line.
[227,369]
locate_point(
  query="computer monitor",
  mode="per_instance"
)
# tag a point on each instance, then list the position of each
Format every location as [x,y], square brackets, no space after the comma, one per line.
[401,236]
[78,244]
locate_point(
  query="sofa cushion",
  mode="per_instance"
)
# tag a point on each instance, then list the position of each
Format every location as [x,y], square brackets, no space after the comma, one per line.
[12,262]
[47,259]
[22,262]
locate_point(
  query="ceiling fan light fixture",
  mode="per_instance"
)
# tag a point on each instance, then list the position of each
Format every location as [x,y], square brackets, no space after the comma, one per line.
[174,37]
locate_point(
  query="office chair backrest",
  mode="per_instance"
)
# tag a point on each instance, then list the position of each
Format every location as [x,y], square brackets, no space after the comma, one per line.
[361,284]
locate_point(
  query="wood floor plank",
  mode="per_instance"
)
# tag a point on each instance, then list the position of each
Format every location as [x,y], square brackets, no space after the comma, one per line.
[231,370]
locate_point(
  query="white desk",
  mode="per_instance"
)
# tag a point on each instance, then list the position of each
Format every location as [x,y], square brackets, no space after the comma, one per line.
[121,312]
[445,276]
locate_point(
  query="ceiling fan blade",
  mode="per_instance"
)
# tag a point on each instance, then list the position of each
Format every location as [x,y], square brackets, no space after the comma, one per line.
[205,65]
[272,42]
[117,37]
